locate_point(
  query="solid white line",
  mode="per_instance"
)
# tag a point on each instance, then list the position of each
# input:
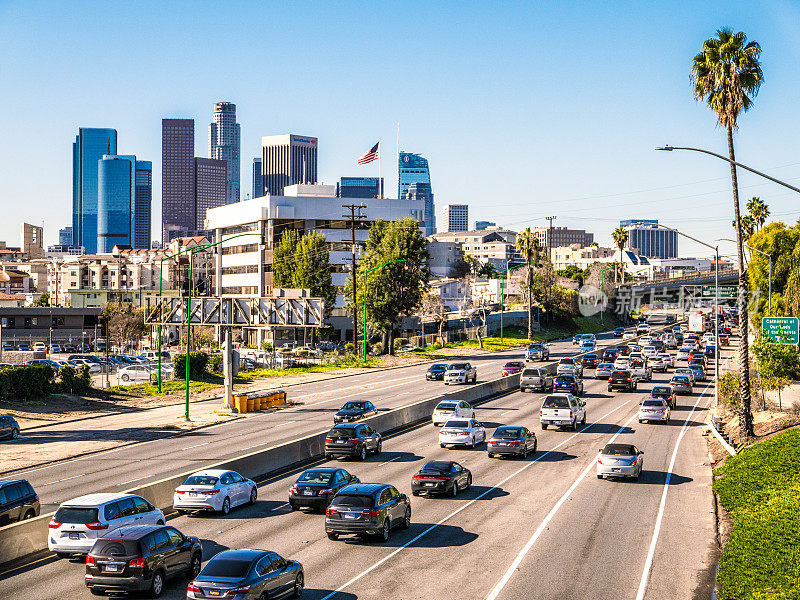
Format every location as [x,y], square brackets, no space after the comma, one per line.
[392,460]
[648,563]
[60,480]
[196,446]
[514,565]
[132,480]
[279,507]
[470,503]
[508,411]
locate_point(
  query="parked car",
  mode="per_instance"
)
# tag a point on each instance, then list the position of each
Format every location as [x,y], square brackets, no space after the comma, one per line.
[23,348]
[512,440]
[43,361]
[152,355]
[372,509]
[8,346]
[9,428]
[537,352]
[78,523]
[460,373]
[352,440]
[214,490]
[307,351]
[665,393]
[680,384]
[18,501]
[462,432]
[654,409]
[568,383]
[512,367]
[441,477]
[39,347]
[562,410]
[435,372]
[569,366]
[315,488]
[619,460]
[603,370]
[622,379]
[536,379]
[264,574]
[452,409]
[136,373]
[355,410]
[139,558]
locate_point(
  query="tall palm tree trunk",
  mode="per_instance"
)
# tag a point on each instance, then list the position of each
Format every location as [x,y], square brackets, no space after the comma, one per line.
[745,413]
[530,302]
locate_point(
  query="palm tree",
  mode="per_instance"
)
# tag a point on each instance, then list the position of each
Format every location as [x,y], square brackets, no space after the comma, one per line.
[620,237]
[529,248]
[758,211]
[726,75]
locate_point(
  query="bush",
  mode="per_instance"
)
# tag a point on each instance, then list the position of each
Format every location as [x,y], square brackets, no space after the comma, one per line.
[74,382]
[214,363]
[267,346]
[198,363]
[375,349]
[729,389]
[349,348]
[399,343]
[30,381]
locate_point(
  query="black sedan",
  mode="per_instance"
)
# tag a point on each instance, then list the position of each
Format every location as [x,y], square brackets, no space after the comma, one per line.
[239,574]
[436,372]
[513,440]
[568,383]
[316,487]
[355,440]
[355,410]
[441,477]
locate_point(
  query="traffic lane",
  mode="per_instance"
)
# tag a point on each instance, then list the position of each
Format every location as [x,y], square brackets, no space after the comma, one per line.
[301,536]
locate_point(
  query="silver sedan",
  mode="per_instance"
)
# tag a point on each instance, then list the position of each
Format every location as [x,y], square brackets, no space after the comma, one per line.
[603,370]
[653,409]
[619,460]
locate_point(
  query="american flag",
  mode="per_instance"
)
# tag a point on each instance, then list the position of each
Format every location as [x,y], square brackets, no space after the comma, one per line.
[369,155]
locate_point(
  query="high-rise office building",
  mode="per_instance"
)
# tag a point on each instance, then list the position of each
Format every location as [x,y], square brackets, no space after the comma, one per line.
[413,168]
[647,239]
[561,236]
[359,187]
[258,179]
[31,240]
[286,160]
[224,144]
[481,225]
[116,197]
[456,217]
[178,217]
[89,147]
[65,236]
[144,204]
[210,188]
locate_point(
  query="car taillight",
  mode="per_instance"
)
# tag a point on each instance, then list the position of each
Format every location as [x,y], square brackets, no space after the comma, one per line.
[570,414]
[245,589]
[328,440]
[193,588]
[136,562]
[180,492]
[96,526]
[516,443]
[90,560]
[210,492]
[633,462]
[374,513]
[492,442]
[353,441]
[53,524]
[599,461]
[629,379]
[331,512]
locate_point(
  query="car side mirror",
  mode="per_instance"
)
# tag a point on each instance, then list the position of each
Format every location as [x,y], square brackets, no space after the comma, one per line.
[641,451]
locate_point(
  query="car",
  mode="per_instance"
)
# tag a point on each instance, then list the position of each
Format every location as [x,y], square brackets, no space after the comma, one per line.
[512,367]
[9,428]
[460,373]
[23,348]
[136,372]
[511,440]
[724,340]
[569,366]
[93,366]
[699,372]
[537,352]
[609,355]
[665,393]
[214,490]
[657,364]
[43,361]
[78,523]
[306,351]
[568,383]
[152,355]
[619,332]
[641,369]
[649,351]
[621,364]
[68,348]
[619,460]
[603,370]
[240,574]
[710,351]
[562,410]
[315,488]
[683,353]
[462,432]
[18,501]
[39,347]
[681,384]
[445,477]
[367,509]
[668,359]
[536,379]
[8,347]
[355,410]
[623,379]
[642,328]
[688,372]
[629,335]
[589,360]
[450,409]
[653,409]
[139,558]
[435,372]
[354,440]
[587,346]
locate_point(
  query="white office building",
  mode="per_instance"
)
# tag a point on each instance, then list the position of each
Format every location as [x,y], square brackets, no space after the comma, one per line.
[456,217]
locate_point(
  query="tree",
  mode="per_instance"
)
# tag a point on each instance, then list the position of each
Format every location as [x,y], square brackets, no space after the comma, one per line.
[125,324]
[758,211]
[620,237]
[433,310]
[783,243]
[283,259]
[42,300]
[460,269]
[529,248]
[726,74]
[488,271]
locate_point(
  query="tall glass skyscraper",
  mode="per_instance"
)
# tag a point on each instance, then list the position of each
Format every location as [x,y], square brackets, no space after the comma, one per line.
[116,197]
[258,179]
[224,144]
[177,179]
[359,187]
[89,147]
[413,169]
[144,202]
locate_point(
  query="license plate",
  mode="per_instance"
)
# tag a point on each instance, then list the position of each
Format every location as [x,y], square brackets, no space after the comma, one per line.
[616,470]
[112,568]
[349,516]
[213,592]
[193,495]
[74,536]
[430,484]
[308,492]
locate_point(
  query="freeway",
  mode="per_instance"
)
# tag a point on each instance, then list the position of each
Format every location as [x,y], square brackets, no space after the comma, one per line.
[132,465]
[543,527]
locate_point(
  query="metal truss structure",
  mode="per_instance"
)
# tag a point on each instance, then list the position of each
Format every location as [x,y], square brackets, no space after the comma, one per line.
[236,311]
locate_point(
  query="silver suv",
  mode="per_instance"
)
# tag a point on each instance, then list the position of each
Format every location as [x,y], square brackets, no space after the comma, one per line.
[536,379]
[537,352]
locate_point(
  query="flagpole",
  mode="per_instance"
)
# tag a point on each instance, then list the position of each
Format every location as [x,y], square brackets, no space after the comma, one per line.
[380,183]
[398,160]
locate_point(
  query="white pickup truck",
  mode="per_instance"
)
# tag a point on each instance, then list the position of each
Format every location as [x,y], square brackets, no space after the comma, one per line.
[562,410]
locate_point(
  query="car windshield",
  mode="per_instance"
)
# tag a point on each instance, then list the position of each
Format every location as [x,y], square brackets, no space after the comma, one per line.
[226,567]
[354,500]
[457,424]
[458,366]
[354,406]
[653,403]
[439,466]
[535,347]
[618,449]
[438,367]
[508,432]
[513,364]
[76,515]
[315,477]
[661,391]
[446,406]
[555,402]
[201,480]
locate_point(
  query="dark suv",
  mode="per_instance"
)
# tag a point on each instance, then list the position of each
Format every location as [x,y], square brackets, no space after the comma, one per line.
[139,558]
[622,380]
[9,428]
[18,501]
[367,509]
[352,439]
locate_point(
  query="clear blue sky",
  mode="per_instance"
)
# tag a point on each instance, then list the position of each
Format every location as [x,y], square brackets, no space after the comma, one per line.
[524,109]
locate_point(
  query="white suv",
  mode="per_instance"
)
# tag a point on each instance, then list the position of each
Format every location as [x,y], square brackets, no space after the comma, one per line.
[78,523]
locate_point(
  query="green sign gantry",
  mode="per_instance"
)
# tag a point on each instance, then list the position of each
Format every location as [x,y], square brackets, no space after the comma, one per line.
[782,330]
[725,291]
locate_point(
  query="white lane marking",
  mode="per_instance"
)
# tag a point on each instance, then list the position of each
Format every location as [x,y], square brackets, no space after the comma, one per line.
[508,411]
[392,460]
[196,446]
[132,480]
[360,385]
[648,563]
[471,502]
[282,424]
[514,565]
[279,507]
[60,480]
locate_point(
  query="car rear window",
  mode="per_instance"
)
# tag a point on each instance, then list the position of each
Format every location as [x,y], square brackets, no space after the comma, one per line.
[315,477]
[201,480]
[566,361]
[530,373]
[115,547]
[661,390]
[508,432]
[653,403]
[446,406]
[226,567]
[680,378]
[439,466]
[618,449]
[457,424]
[565,379]
[76,515]
[555,402]
[354,500]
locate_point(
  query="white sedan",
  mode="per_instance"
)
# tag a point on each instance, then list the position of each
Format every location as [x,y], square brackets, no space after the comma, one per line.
[668,359]
[214,491]
[462,432]
[136,373]
[445,411]
[683,353]
[621,363]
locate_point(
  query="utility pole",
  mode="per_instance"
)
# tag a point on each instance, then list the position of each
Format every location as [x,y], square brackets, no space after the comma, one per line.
[550,259]
[355,215]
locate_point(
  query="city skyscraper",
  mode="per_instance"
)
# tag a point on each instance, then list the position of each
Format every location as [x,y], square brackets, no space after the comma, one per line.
[144,204]
[456,217]
[89,147]
[116,196]
[224,136]
[359,187]
[65,236]
[210,188]
[413,169]
[286,160]
[178,217]
[258,179]
[645,237]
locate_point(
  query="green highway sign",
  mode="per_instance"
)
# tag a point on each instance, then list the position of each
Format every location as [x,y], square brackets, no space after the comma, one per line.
[725,291]
[782,330]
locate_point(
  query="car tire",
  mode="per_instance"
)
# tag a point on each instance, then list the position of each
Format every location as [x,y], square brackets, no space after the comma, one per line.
[299,583]
[441,445]
[525,452]
[160,522]
[472,443]
[610,390]
[63,554]
[28,515]
[333,536]
[406,519]
[415,492]
[385,531]
[363,455]
[454,492]
[226,506]
[583,420]
[535,445]
[599,476]
[378,447]
[194,566]
[490,455]
[156,585]
[253,495]
[125,377]
[15,434]
[544,426]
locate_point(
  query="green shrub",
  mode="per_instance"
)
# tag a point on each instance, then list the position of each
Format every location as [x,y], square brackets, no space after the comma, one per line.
[267,346]
[214,363]
[376,348]
[30,381]
[74,382]
[198,363]
[729,389]
[399,343]
[349,347]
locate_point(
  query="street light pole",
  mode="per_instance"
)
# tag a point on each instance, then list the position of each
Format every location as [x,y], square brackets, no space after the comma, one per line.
[367,272]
